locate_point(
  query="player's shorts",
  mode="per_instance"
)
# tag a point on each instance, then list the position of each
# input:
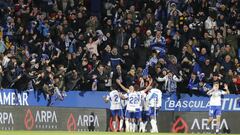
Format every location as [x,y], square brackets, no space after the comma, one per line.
[138,114]
[129,114]
[153,111]
[145,115]
[135,114]
[215,111]
[118,112]
[124,111]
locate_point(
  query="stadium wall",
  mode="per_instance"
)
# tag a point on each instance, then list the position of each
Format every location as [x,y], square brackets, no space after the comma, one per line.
[83,119]
[196,122]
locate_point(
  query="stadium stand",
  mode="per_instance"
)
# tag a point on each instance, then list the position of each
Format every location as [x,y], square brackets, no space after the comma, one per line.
[58,45]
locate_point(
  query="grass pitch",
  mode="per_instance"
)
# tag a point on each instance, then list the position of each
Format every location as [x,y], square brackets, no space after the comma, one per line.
[82,133]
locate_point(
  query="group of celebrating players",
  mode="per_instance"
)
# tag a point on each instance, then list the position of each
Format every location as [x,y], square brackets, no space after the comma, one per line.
[138,106]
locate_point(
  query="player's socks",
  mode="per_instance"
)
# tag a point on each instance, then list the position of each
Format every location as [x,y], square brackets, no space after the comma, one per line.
[133,127]
[121,125]
[127,126]
[144,126]
[137,126]
[114,125]
[209,123]
[154,126]
[217,129]
[141,127]
[130,126]
[156,130]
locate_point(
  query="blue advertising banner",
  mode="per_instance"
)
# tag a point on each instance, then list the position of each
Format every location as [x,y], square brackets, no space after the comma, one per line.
[195,103]
[28,98]
[88,99]
[94,99]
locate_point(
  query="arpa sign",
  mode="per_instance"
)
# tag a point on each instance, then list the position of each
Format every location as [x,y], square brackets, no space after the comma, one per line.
[6,120]
[199,125]
[86,120]
[83,122]
[197,122]
[40,119]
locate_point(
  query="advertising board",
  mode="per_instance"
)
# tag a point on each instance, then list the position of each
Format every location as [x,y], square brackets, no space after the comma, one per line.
[83,99]
[52,118]
[196,122]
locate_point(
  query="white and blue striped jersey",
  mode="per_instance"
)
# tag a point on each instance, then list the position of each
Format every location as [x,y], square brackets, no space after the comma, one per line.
[154,98]
[215,99]
[115,100]
[134,101]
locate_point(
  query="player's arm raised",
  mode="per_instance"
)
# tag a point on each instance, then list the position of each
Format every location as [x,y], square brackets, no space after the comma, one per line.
[106,99]
[120,84]
[226,88]
[210,92]
[149,85]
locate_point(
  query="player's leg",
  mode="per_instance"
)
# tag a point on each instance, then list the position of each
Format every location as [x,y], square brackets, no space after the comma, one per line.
[153,120]
[124,119]
[153,124]
[211,115]
[155,117]
[131,121]
[121,119]
[218,114]
[134,125]
[130,125]
[141,126]
[210,119]
[117,119]
[127,121]
[218,118]
[114,118]
[134,118]
[146,119]
[140,121]
[127,125]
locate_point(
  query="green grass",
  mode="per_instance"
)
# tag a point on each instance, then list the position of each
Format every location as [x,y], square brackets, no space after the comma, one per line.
[80,133]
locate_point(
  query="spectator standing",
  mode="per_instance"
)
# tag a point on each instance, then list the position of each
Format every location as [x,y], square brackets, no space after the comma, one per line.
[170,83]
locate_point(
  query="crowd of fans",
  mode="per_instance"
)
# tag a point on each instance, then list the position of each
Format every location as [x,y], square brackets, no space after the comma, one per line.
[59,45]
